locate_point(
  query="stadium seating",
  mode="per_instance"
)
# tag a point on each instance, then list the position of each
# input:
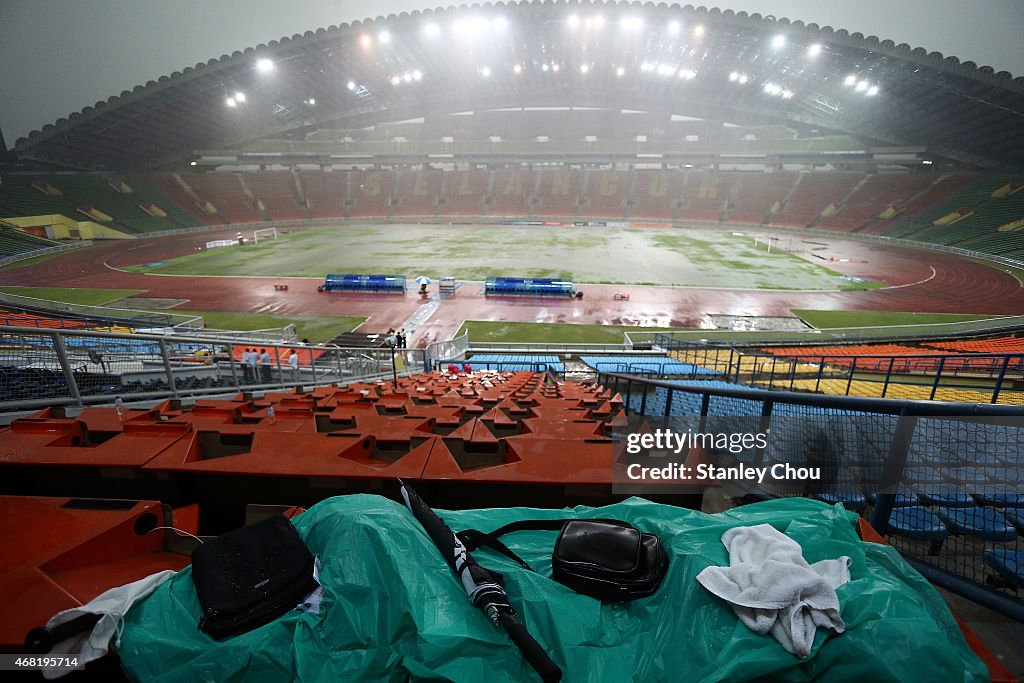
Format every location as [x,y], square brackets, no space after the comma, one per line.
[644,365]
[325,193]
[417,192]
[815,193]
[558,193]
[658,195]
[606,194]
[877,194]
[227,195]
[511,193]
[996,345]
[463,193]
[705,195]
[276,191]
[174,186]
[369,193]
[759,195]
[17,242]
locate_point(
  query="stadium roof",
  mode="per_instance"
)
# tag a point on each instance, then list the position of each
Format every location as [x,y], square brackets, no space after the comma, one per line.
[684,61]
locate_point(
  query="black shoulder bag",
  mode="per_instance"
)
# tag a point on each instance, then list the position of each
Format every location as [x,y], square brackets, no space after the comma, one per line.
[606,559]
[250,576]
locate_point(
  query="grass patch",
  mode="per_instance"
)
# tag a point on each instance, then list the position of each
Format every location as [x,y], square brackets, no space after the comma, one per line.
[316,328]
[552,333]
[831,319]
[84,297]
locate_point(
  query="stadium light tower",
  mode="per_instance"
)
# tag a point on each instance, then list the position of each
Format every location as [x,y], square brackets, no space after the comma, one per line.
[264,65]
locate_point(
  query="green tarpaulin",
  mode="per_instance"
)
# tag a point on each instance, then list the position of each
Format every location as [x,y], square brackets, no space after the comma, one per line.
[393,611]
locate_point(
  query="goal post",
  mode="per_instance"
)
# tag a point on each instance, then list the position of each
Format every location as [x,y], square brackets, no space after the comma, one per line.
[263,234]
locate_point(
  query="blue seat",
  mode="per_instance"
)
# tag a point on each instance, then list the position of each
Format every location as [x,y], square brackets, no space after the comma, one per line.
[986,523]
[1007,563]
[918,523]
[1016,518]
[902,500]
[851,500]
[1000,500]
[943,495]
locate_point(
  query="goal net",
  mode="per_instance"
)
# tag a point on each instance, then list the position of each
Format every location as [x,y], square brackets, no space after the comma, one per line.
[263,234]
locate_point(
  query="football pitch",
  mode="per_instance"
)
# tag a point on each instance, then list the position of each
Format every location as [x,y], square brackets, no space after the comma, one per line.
[647,256]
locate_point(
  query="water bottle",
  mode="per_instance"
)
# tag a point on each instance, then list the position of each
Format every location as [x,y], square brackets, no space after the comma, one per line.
[119,407]
[271,416]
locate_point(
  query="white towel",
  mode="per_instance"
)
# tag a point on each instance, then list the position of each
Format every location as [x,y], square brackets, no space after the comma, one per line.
[773,590]
[113,605]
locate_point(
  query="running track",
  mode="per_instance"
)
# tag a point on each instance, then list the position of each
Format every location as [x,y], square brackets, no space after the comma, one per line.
[920,280]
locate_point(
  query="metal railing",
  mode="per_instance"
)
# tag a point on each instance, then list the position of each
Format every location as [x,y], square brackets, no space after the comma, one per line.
[937,479]
[821,335]
[142,319]
[973,377]
[65,367]
[35,253]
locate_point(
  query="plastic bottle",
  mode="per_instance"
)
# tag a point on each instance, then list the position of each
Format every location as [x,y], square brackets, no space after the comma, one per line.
[271,416]
[119,407]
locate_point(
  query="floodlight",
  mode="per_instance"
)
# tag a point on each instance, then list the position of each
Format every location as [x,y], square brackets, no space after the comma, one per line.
[849,80]
[599,21]
[778,41]
[734,77]
[620,71]
[862,86]
[500,23]
[240,97]
[311,102]
[396,80]
[926,162]
[584,68]
[231,102]
[872,91]
[384,37]
[698,31]
[688,74]
[787,94]
[517,68]
[365,40]
[485,71]
[555,67]
[431,30]
[573,21]
[666,70]
[674,27]
[192,163]
[351,85]
[743,79]
[264,65]
[814,50]
[417,75]
[407,77]
[544,67]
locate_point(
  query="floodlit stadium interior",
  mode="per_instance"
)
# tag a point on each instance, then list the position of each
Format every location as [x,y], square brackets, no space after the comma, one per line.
[750,287]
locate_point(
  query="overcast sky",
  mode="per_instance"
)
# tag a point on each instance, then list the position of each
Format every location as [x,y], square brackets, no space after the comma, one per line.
[58,56]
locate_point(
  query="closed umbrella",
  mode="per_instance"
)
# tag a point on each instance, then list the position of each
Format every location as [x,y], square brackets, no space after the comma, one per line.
[482,586]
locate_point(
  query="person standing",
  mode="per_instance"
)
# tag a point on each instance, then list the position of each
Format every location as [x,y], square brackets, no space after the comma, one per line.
[265,366]
[401,338]
[293,363]
[253,359]
[246,374]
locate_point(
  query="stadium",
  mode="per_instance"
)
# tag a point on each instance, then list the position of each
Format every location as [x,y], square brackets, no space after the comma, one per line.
[477,251]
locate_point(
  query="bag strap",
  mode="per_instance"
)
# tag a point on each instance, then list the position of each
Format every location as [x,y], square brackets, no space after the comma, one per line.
[474,539]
